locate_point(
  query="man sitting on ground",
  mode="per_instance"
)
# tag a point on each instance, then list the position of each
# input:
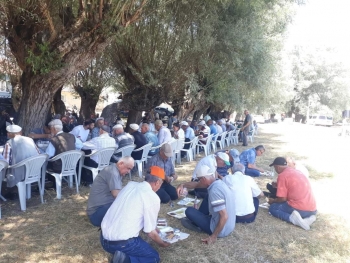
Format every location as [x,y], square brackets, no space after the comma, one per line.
[106,188]
[248,157]
[122,139]
[166,192]
[136,208]
[82,131]
[216,215]
[246,193]
[17,149]
[295,202]
[151,137]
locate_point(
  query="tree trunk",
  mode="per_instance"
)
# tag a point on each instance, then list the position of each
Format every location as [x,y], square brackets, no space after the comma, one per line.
[87,107]
[133,117]
[58,105]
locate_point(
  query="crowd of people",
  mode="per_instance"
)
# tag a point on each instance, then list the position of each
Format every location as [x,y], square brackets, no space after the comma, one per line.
[223,180]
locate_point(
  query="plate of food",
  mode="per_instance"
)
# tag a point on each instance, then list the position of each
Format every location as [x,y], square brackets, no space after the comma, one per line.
[188,201]
[172,235]
[179,213]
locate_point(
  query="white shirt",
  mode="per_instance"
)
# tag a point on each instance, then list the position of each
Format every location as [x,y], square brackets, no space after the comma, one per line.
[80,133]
[164,135]
[244,188]
[218,128]
[210,161]
[100,142]
[136,207]
[50,150]
[180,134]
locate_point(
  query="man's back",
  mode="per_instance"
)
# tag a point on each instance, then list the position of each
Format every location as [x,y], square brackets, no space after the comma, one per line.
[152,138]
[124,139]
[164,135]
[247,156]
[121,222]
[209,161]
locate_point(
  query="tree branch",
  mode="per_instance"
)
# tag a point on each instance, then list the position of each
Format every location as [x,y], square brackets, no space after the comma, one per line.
[47,14]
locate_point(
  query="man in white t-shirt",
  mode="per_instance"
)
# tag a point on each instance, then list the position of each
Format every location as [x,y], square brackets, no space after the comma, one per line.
[136,208]
[82,131]
[246,193]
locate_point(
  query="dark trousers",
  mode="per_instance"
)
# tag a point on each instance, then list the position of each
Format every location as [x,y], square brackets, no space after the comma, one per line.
[252,172]
[272,190]
[244,137]
[166,193]
[199,192]
[97,217]
[136,248]
[249,219]
[200,217]
[187,145]
[86,174]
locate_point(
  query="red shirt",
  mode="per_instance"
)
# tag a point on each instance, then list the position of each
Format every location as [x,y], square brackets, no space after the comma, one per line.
[294,186]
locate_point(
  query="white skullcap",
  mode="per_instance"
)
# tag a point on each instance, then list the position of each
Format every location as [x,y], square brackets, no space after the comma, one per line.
[13,128]
[55,122]
[134,126]
[202,123]
[101,118]
[118,126]
[184,123]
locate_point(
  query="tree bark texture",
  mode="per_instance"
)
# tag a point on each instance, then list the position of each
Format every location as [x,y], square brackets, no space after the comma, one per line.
[58,105]
[133,117]
[110,112]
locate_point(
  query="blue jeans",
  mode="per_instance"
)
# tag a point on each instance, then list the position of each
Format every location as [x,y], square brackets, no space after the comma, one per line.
[97,217]
[242,219]
[166,193]
[252,172]
[136,248]
[201,216]
[283,211]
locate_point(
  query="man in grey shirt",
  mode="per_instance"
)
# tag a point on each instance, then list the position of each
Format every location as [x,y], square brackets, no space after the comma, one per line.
[105,189]
[217,214]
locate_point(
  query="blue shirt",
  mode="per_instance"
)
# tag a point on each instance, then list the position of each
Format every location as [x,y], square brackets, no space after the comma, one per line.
[152,138]
[213,129]
[248,156]
[189,133]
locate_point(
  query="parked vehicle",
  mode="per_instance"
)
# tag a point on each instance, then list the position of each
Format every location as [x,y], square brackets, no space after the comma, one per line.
[322,120]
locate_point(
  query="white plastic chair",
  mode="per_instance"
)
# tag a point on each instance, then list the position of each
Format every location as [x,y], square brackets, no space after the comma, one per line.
[213,141]
[180,144]
[3,167]
[250,135]
[222,139]
[126,151]
[140,163]
[235,136]
[173,145]
[190,152]
[228,138]
[154,148]
[69,163]
[104,156]
[206,147]
[34,171]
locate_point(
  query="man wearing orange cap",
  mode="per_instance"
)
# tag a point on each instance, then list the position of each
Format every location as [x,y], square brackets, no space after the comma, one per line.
[121,225]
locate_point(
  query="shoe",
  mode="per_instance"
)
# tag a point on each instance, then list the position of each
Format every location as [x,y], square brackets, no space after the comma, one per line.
[120,257]
[310,220]
[189,225]
[296,219]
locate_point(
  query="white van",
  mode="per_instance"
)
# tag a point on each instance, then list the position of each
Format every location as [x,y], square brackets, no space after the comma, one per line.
[323,120]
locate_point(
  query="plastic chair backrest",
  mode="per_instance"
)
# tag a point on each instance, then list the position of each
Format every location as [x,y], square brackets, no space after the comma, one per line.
[180,144]
[145,150]
[173,144]
[69,161]
[33,167]
[104,156]
[214,138]
[194,142]
[127,150]
[3,167]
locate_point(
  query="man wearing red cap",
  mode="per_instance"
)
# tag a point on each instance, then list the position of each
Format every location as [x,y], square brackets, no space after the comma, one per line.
[121,225]
[295,202]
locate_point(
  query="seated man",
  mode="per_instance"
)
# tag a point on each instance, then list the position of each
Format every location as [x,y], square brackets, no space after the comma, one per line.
[139,140]
[163,160]
[151,137]
[203,132]
[246,193]
[82,131]
[189,135]
[164,134]
[42,134]
[106,188]
[212,127]
[16,149]
[122,139]
[101,142]
[136,208]
[96,130]
[247,158]
[295,202]
[216,215]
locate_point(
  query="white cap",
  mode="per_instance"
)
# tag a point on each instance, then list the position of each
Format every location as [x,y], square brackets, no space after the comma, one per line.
[184,123]
[118,126]
[134,126]
[203,171]
[224,157]
[55,122]
[202,123]
[13,128]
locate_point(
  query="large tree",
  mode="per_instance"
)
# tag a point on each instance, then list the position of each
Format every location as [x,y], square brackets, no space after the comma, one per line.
[52,40]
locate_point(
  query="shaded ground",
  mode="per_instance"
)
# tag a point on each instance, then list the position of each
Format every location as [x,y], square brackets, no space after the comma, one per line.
[59,231]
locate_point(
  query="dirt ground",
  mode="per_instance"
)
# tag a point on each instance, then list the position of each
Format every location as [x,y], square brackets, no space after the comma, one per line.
[59,230]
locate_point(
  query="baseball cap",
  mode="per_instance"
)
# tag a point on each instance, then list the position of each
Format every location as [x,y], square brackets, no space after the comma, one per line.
[279,161]
[235,155]
[224,157]
[184,123]
[166,149]
[134,126]
[105,128]
[203,171]
[13,128]
[157,171]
